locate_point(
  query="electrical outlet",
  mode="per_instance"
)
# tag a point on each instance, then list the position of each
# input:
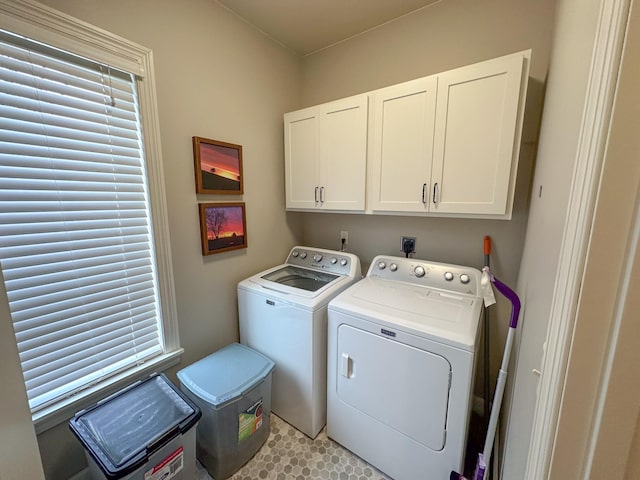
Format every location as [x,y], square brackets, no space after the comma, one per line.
[344,237]
[410,242]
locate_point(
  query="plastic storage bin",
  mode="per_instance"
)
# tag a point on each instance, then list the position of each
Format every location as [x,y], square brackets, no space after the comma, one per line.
[143,432]
[232,387]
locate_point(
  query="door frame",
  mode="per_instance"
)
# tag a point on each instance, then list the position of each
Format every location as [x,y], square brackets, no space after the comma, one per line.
[574,250]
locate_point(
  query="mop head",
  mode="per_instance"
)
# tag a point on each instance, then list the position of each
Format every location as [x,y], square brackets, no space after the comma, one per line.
[478,474]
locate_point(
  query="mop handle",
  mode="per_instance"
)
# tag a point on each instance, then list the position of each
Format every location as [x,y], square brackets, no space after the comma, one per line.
[486,330]
[502,374]
[497,397]
[487,249]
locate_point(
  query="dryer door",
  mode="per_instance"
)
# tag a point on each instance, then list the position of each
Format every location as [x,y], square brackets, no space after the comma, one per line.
[399,385]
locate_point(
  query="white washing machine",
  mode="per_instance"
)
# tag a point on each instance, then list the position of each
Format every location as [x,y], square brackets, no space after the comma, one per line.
[283,314]
[401,358]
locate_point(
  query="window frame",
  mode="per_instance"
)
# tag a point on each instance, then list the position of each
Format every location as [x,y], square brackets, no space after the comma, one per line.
[46,25]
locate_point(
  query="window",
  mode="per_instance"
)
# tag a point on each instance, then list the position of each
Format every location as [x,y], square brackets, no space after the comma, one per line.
[85,264]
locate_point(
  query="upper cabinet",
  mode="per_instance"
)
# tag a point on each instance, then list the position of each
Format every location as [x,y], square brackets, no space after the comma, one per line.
[443,145]
[402,146]
[476,142]
[326,156]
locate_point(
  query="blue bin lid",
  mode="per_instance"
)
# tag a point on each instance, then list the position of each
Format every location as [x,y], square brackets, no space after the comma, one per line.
[225,375]
[123,430]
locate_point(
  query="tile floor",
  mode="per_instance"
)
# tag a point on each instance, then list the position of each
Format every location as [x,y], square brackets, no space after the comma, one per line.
[288,454]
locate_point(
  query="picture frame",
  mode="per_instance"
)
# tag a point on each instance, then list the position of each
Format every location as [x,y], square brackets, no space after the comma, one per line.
[218,167]
[223,227]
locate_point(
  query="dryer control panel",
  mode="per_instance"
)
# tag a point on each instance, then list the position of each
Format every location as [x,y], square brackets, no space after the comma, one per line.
[454,278]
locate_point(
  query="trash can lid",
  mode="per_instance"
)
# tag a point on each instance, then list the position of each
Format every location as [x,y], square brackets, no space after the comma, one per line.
[123,430]
[227,374]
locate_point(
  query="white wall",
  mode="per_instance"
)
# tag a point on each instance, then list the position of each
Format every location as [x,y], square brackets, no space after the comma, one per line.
[601,397]
[19,455]
[216,78]
[555,163]
[443,36]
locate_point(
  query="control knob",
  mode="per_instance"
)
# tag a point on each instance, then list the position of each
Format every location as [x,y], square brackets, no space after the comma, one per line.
[295,253]
[382,265]
[393,267]
[317,257]
[334,260]
[419,271]
[343,262]
[464,278]
[303,255]
[448,276]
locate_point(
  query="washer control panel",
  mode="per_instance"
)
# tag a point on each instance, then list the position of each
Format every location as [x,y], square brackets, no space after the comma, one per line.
[341,263]
[455,278]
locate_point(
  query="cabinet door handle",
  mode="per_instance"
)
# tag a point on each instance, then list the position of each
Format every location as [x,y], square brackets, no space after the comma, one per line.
[424,193]
[315,194]
[435,193]
[321,194]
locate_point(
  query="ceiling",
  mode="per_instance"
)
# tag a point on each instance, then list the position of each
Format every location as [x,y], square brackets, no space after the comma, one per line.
[306,26]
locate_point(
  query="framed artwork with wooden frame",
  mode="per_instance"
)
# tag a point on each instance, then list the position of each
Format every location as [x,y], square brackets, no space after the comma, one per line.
[218,166]
[223,227]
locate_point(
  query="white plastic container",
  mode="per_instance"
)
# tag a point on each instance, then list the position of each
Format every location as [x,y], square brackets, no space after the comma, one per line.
[143,432]
[232,388]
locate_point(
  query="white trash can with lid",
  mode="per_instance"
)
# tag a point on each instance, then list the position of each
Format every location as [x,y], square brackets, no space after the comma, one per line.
[232,388]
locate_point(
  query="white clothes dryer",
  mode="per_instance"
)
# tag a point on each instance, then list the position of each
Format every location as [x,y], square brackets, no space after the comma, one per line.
[401,361]
[283,315]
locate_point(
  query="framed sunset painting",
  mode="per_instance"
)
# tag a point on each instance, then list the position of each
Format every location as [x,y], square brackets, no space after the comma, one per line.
[218,166]
[223,227]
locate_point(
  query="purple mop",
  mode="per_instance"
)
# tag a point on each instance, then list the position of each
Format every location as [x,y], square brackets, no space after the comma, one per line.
[485,456]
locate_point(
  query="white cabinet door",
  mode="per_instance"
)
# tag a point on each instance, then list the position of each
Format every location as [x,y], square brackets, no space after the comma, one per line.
[301,155]
[402,146]
[343,154]
[477,137]
[326,156]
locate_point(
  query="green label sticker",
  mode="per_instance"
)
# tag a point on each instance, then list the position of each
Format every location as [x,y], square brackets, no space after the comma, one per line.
[249,421]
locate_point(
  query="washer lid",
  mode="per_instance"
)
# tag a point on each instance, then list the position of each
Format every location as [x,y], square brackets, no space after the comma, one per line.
[447,317]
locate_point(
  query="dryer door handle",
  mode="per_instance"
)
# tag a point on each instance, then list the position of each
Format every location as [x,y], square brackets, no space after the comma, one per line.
[346,365]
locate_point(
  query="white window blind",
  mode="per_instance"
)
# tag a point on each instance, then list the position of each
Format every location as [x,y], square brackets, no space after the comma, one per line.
[76,246]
